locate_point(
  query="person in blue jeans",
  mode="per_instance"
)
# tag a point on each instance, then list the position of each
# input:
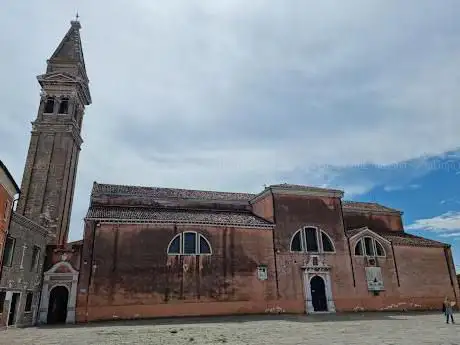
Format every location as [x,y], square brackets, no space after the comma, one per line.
[448,310]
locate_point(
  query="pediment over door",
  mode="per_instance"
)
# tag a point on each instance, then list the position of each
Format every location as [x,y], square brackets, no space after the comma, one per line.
[60,268]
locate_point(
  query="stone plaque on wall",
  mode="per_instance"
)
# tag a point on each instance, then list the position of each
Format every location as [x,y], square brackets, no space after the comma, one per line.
[262,272]
[374,279]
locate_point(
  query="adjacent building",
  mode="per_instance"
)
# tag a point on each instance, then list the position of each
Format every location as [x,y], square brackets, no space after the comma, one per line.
[8,190]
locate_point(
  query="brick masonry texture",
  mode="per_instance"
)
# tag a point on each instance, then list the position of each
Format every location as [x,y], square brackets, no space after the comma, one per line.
[126,272]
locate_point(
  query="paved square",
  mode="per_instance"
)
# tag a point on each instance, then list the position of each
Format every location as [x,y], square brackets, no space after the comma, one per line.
[369,328]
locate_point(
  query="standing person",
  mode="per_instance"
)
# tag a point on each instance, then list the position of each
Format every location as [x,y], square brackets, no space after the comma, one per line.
[448,310]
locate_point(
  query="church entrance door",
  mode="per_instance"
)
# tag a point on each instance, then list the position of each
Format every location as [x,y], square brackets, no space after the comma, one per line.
[318,293]
[57,309]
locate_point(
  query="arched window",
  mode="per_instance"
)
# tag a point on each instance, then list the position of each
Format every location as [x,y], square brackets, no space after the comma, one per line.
[370,247]
[64,106]
[49,105]
[189,243]
[312,240]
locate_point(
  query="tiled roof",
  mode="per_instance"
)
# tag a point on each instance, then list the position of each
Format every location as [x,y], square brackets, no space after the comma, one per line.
[138,214]
[304,188]
[160,193]
[367,206]
[405,239]
[401,238]
[352,232]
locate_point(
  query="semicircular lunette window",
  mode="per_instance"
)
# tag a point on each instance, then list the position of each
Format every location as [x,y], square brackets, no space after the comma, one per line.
[370,247]
[311,240]
[189,243]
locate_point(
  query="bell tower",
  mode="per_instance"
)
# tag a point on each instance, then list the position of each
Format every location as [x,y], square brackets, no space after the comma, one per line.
[48,180]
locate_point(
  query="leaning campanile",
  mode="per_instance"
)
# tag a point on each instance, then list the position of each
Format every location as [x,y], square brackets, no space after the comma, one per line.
[48,180]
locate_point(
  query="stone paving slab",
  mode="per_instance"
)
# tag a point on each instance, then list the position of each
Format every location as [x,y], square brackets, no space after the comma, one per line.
[368,328]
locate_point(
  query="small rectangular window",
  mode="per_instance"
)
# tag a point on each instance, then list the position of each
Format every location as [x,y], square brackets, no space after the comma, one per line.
[35,259]
[29,298]
[369,246]
[312,240]
[9,251]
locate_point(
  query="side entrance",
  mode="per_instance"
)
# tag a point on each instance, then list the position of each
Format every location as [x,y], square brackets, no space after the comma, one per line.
[317,285]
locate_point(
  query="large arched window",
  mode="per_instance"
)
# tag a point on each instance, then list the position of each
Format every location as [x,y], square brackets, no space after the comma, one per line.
[312,240]
[189,243]
[370,247]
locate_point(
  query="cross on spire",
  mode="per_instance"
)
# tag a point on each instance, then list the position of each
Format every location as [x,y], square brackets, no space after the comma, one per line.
[76,17]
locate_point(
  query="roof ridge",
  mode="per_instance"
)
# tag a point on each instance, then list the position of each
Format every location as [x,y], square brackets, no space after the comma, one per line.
[170,188]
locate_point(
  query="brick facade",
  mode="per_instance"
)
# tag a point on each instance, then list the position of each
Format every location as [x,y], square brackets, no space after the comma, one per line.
[8,190]
[126,271]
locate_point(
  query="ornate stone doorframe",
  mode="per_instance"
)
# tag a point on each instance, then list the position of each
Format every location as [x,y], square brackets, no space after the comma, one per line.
[61,274]
[317,267]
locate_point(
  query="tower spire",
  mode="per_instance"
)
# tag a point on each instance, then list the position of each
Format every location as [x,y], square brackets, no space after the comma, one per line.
[48,181]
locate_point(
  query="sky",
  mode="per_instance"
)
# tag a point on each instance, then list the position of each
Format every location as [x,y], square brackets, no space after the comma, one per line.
[232,95]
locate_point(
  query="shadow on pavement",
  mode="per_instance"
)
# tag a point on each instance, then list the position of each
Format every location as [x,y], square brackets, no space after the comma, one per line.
[178,321]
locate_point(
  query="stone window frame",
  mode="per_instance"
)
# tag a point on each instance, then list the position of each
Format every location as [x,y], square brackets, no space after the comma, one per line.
[363,252]
[35,259]
[198,237]
[29,303]
[319,241]
[63,100]
[45,107]
[8,262]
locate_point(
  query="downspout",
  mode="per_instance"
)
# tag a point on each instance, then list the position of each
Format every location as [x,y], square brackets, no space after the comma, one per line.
[396,265]
[450,271]
[348,243]
[274,246]
[94,226]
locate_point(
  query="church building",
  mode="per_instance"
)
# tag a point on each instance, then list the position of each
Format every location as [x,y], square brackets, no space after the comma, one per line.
[155,252]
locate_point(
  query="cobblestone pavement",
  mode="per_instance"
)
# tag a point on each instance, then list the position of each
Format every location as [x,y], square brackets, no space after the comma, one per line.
[369,328]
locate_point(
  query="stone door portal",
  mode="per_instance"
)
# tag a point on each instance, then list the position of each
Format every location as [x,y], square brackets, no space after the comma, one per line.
[59,294]
[317,286]
[57,309]
[318,294]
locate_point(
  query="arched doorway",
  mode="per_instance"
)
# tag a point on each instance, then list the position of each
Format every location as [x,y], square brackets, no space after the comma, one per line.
[318,293]
[57,309]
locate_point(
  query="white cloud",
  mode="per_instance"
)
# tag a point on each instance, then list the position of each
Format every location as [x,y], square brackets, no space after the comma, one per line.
[391,188]
[453,234]
[233,94]
[446,222]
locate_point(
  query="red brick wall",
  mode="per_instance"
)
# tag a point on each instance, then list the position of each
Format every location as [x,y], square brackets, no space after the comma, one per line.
[264,207]
[4,218]
[292,213]
[134,277]
[376,221]
[423,281]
